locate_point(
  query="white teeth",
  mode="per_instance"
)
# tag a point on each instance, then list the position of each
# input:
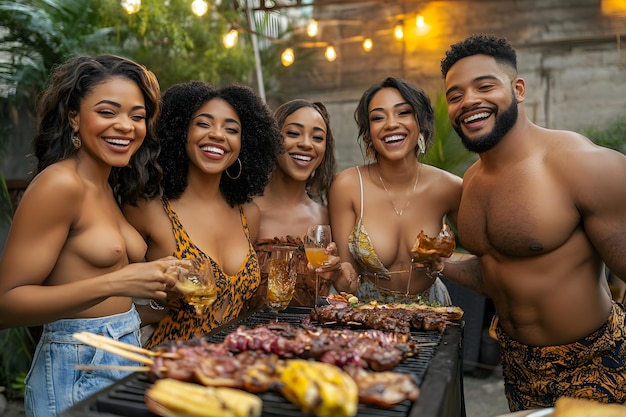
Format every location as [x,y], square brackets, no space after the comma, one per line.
[213,149]
[475,117]
[393,138]
[121,142]
[301,157]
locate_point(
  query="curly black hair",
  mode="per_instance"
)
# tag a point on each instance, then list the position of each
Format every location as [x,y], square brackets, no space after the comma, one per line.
[70,83]
[318,183]
[498,48]
[261,140]
[416,97]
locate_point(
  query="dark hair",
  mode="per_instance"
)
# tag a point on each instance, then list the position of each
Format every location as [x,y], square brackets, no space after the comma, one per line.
[498,48]
[70,83]
[416,97]
[261,140]
[318,183]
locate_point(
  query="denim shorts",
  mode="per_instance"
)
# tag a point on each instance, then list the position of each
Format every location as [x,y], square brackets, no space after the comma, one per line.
[53,384]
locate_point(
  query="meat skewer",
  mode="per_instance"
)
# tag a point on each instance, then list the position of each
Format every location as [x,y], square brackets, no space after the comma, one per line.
[395,318]
[235,364]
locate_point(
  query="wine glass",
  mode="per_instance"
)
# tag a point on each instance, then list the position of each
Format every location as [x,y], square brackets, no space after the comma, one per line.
[317,238]
[198,285]
[281,279]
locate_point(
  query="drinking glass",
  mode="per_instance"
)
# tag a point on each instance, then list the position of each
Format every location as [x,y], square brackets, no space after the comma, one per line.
[198,285]
[281,279]
[317,238]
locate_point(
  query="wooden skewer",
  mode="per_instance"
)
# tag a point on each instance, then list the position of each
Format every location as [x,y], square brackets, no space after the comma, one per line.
[126,346]
[113,346]
[113,368]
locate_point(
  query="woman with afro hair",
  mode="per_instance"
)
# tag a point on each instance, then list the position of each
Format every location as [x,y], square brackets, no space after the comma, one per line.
[218,149]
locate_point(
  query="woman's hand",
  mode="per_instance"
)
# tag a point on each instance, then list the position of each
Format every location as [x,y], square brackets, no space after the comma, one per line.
[152,280]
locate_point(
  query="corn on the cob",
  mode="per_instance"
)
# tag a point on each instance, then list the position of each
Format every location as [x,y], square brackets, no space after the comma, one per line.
[320,388]
[172,398]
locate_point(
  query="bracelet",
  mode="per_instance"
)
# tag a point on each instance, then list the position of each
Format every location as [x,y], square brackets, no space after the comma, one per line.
[434,274]
[156,306]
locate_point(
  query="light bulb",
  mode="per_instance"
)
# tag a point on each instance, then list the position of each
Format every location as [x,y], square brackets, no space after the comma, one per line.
[311,29]
[368,44]
[131,6]
[287,57]
[398,31]
[330,53]
[230,39]
[419,22]
[199,7]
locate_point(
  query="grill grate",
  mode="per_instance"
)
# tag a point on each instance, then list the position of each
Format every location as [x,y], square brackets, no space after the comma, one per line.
[126,397]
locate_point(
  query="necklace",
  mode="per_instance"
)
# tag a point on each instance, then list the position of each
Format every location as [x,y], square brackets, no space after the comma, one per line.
[393,204]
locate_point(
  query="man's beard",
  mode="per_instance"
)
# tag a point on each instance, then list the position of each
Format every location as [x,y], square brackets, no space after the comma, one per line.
[504,123]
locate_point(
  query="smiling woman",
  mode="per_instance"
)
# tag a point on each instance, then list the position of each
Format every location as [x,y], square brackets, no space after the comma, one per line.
[219,147]
[71,260]
[378,209]
[296,194]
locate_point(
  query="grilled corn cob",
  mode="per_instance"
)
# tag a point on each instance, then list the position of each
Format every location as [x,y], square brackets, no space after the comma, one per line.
[172,398]
[320,388]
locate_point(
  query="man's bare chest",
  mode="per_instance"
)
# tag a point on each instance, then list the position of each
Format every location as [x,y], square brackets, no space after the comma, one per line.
[524,216]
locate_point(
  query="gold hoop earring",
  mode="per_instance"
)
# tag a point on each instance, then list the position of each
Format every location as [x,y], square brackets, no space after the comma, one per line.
[421,143]
[76,141]
[240,171]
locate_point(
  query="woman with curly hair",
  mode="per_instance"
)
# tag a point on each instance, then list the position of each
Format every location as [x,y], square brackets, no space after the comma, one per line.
[68,259]
[394,195]
[218,149]
[297,193]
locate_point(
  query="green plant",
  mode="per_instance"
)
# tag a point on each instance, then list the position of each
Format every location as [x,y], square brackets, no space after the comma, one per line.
[613,135]
[16,346]
[447,152]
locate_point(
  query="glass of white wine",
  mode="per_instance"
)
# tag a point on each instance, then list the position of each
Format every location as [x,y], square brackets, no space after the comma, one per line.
[317,238]
[281,278]
[198,285]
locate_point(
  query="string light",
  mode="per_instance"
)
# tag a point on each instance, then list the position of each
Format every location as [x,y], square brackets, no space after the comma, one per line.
[330,53]
[199,7]
[131,6]
[419,22]
[368,44]
[287,57]
[398,31]
[312,28]
[230,39]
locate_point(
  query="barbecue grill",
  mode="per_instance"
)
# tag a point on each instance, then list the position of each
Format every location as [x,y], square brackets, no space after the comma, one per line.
[436,368]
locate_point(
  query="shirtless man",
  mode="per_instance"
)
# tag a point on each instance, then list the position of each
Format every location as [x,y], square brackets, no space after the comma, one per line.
[542,210]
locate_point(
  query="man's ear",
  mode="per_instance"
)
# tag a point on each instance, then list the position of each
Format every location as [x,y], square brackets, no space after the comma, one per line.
[519,89]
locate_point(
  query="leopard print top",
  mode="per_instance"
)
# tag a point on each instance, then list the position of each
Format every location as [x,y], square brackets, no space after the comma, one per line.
[181,322]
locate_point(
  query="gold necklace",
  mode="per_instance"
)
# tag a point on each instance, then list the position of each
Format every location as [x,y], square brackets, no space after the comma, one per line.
[393,204]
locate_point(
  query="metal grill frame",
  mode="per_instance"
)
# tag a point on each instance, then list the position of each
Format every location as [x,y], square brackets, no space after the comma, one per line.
[438,371]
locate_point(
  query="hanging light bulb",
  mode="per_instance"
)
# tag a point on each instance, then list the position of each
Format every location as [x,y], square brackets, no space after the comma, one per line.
[131,6]
[230,39]
[419,22]
[330,53]
[368,44]
[287,57]
[398,31]
[199,7]
[311,29]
